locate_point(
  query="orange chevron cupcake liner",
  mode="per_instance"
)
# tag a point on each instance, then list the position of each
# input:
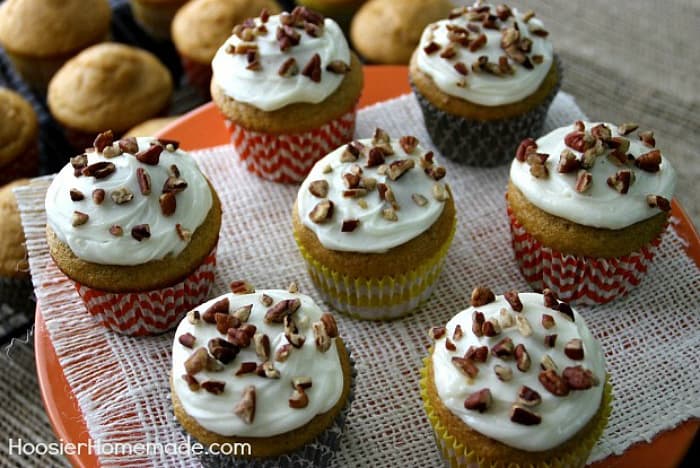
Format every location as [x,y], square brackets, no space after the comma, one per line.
[288,158]
[150,312]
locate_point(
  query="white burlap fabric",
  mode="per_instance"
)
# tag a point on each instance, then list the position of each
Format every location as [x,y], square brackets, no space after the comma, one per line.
[651,336]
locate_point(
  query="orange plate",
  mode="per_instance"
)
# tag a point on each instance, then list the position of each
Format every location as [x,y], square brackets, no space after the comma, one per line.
[202,128]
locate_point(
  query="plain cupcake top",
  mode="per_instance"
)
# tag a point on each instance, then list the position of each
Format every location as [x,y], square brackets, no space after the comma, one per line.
[128,202]
[257,363]
[201,26]
[109,86]
[485,54]
[596,174]
[46,28]
[521,368]
[273,61]
[374,194]
[19,126]
[13,254]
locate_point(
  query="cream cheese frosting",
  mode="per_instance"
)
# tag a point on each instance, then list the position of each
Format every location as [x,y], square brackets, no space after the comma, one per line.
[600,205]
[450,49]
[372,221]
[104,227]
[561,416]
[272,412]
[263,84]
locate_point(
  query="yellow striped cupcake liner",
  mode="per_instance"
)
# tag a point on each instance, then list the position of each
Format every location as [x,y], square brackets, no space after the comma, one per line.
[459,455]
[386,298]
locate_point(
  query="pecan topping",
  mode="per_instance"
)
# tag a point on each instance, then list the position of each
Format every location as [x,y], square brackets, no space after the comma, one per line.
[621,181]
[526,147]
[503,349]
[523,325]
[568,162]
[174,184]
[213,386]
[128,145]
[103,140]
[524,416]
[389,214]
[461,68]
[647,138]
[241,287]
[262,346]
[243,312]
[550,299]
[266,300]
[650,161]
[584,180]
[79,218]
[121,196]
[505,318]
[431,48]
[79,163]
[319,188]
[141,232]
[574,349]
[329,324]
[192,383]
[150,156]
[278,312]
[291,332]
[627,128]
[408,143]
[399,168]
[323,341]
[522,358]
[349,225]
[458,333]
[187,340]
[477,323]
[436,333]
[419,199]
[547,363]
[193,317]
[369,183]
[338,67]
[219,307]
[351,180]
[449,345]
[478,401]
[144,180]
[168,204]
[435,172]
[312,69]
[246,368]
[657,201]
[99,170]
[578,378]
[565,309]
[267,370]
[579,140]
[116,230]
[299,399]
[490,328]
[478,43]
[245,408]
[537,168]
[553,383]
[282,353]
[477,353]
[76,195]
[225,321]
[482,295]
[466,366]
[375,157]
[198,361]
[548,321]
[322,212]
[504,373]
[503,12]
[528,396]
[303,382]
[288,68]
[514,300]
[222,350]
[550,340]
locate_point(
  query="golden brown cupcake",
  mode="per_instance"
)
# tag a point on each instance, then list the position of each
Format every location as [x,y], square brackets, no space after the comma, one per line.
[40,35]
[19,133]
[155,16]
[374,221]
[134,224]
[151,127]
[340,10]
[588,204]
[264,367]
[13,254]
[387,31]
[201,26]
[111,86]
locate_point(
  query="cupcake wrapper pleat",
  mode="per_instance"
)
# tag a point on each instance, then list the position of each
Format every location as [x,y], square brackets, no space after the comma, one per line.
[317,453]
[459,455]
[575,278]
[386,298]
[150,312]
[288,158]
[483,143]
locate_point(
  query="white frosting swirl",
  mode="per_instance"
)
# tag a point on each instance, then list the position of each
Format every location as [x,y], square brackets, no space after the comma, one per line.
[272,412]
[265,88]
[481,87]
[93,242]
[600,206]
[374,234]
[562,417]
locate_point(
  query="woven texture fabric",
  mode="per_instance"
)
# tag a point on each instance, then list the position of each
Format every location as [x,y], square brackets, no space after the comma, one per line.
[650,336]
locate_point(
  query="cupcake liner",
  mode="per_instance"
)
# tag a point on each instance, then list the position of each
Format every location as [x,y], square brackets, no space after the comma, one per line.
[289,157]
[483,143]
[387,298]
[198,75]
[17,306]
[458,455]
[576,278]
[150,312]
[24,165]
[317,453]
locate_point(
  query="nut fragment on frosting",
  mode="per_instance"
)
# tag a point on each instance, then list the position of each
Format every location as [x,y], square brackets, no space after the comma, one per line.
[374,194]
[273,338]
[272,61]
[595,174]
[532,408]
[486,54]
[131,190]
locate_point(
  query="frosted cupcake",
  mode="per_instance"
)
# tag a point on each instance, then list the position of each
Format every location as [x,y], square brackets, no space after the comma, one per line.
[374,220]
[266,368]
[516,380]
[484,78]
[288,86]
[134,224]
[588,204]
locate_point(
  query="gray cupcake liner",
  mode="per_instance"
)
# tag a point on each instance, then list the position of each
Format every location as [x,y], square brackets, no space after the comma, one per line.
[317,453]
[479,142]
[17,306]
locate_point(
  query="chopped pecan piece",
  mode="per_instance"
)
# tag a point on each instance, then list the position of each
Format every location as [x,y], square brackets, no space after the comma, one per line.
[282,353]
[128,145]
[351,180]
[482,295]
[319,188]
[222,350]
[657,201]
[197,361]
[267,370]
[477,323]
[245,408]
[192,383]
[116,230]
[76,195]
[121,195]
[435,172]
[503,349]
[168,204]
[538,169]
[579,140]
[528,396]
[547,363]
[431,48]
[524,416]
[650,161]
[461,68]
[478,43]
[399,168]
[505,318]
[478,401]
[550,299]
[322,212]
[550,340]
[477,353]
[437,332]
[548,321]
[262,346]
[419,199]
[225,321]
[98,196]
[291,332]
[338,67]
[349,225]
[449,345]
[79,163]
[144,180]
[466,366]
[553,383]
[187,340]
[647,138]
[621,181]
[329,324]
[525,147]
[458,333]
[150,156]
[504,373]
[284,308]
[448,51]
[174,184]
[627,128]
[574,349]
[408,143]
[241,287]
[246,368]
[288,68]
[491,328]
[522,358]
[322,340]
[141,232]
[375,157]
[503,12]
[390,214]
[213,386]
[299,399]
[103,140]
[243,312]
[565,309]
[568,162]
[369,183]
[219,307]
[523,325]
[312,69]
[514,300]
[99,170]
[578,378]
[266,300]
[584,180]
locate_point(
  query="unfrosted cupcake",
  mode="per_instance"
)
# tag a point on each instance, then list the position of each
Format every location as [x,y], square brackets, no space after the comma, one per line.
[588,204]
[111,86]
[265,368]
[288,86]
[340,10]
[134,224]
[374,220]
[515,381]
[19,137]
[40,35]
[484,79]
[201,26]
[155,16]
